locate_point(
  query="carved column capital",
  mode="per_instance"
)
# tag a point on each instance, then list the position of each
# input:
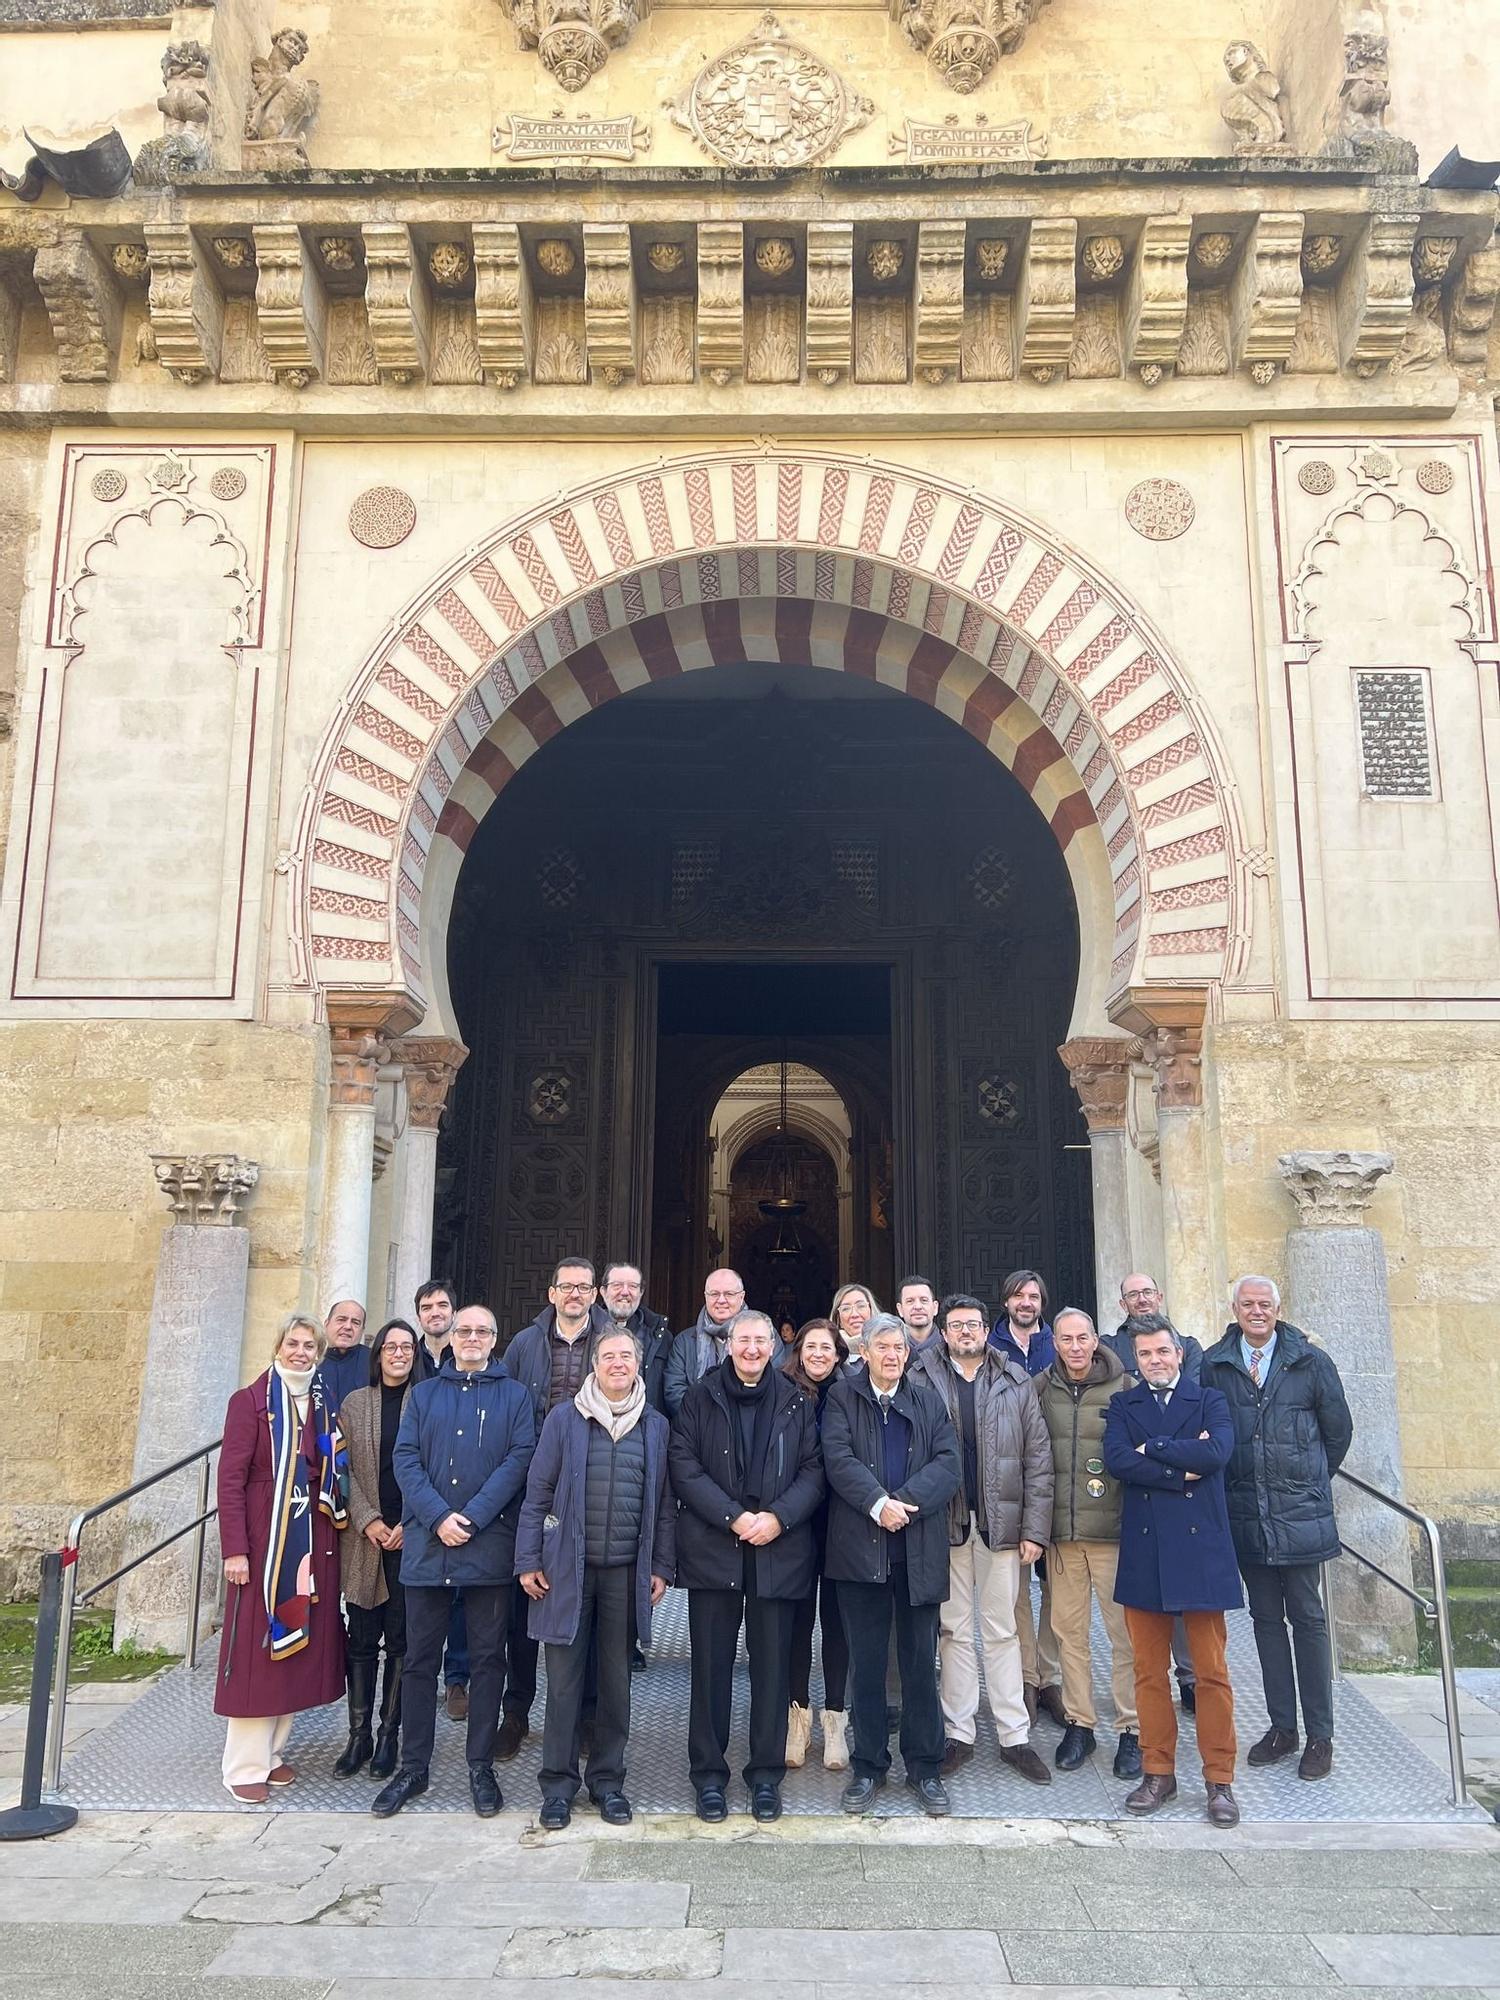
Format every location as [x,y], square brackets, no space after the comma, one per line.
[431,1063]
[360,1026]
[1332,1189]
[1098,1068]
[205,1189]
[1169,1021]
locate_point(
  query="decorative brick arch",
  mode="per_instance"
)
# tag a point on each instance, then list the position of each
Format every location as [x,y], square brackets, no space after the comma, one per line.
[807,557]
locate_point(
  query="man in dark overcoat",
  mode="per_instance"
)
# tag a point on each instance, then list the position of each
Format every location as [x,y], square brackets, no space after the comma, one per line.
[1292,1429]
[1167,1441]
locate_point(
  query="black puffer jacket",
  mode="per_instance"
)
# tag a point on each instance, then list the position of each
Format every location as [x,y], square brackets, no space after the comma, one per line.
[854,1460]
[701,1459]
[1289,1440]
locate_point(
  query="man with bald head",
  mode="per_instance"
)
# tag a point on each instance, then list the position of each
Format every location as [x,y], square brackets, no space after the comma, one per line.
[345,1366]
[1141,1298]
[701,1346]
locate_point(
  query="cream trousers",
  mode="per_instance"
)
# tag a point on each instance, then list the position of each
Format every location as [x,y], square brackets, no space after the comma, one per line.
[982,1600]
[252,1747]
[1039,1662]
[1079,1572]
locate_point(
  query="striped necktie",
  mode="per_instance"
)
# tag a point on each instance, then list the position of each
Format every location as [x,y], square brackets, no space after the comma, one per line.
[1255,1366]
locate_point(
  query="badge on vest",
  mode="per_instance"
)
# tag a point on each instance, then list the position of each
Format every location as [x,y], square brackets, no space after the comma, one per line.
[1096,1489]
[1093,1464]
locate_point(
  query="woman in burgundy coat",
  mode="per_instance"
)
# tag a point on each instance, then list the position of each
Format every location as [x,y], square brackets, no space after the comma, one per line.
[282,1490]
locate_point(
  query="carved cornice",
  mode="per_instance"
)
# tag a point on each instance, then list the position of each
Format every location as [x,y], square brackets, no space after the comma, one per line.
[205,1189]
[431,1063]
[1098,1068]
[1332,1190]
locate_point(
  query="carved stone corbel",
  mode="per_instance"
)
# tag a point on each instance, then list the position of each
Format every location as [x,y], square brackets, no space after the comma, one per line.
[205,1189]
[290,304]
[185,304]
[573,38]
[1047,296]
[83,307]
[430,1064]
[1267,296]
[1375,294]
[1472,313]
[1156,303]
[721,302]
[939,300]
[830,301]
[502,304]
[609,302]
[397,302]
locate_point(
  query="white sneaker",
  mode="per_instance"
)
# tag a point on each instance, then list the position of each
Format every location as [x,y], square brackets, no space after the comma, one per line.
[798,1736]
[835,1742]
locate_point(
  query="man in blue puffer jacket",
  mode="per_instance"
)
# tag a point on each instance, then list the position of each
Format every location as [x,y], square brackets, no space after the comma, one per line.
[461,1460]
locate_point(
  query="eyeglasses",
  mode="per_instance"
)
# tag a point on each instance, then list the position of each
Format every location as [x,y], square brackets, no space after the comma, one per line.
[572,1288]
[966,1326]
[1141,1292]
[722,1298]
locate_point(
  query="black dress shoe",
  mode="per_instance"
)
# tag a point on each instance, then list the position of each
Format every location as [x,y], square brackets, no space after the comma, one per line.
[1187,1694]
[1128,1755]
[859,1794]
[405,1785]
[712,1804]
[765,1803]
[931,1796]
[614,1809]
[1077,1746]
[1317,1758]
[554,1815]
[1273,1746]
[484,1790]
[637,1660]
[514,1729]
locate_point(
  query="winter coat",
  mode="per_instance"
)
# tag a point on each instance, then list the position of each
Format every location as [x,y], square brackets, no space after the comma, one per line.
[701,1457]
[551,1533]
[1015,1458]
[1290,1437]
[853,1459]
[250,1682]
[1176,1553]
[463,1448]
[655,1337]
[1123,1348]
[1085,1500]
[342,1371]
[362,1569]
[1041,1353]
[693,1353]
[528,1358]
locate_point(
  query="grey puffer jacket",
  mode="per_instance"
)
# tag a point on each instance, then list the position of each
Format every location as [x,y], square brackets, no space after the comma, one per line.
[1015,1451]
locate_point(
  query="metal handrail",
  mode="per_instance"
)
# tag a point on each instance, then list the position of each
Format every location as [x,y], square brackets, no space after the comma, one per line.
[1434,1609]
[72,1597]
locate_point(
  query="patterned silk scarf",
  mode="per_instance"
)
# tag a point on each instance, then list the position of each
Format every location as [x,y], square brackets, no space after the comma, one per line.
[288,1585]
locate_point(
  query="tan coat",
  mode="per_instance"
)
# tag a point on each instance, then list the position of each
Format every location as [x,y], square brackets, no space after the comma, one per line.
[362,1572]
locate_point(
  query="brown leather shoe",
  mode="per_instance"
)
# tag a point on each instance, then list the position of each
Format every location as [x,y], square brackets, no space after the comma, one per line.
[1050,1701]
[955,1756]
[1273,1746]
[1317,1758]
[283,1774]
[1021,1757]
[250,1795]
[1222,1810]
[513,1733]
[1156,1789]
[456,1701]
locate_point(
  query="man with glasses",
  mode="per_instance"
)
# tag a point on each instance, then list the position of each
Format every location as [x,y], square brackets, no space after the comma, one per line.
[701,1346]
[434,1302]
[550,1358]
[622,1307]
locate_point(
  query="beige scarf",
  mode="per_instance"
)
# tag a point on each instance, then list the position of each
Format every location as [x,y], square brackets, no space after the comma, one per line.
[619,1419]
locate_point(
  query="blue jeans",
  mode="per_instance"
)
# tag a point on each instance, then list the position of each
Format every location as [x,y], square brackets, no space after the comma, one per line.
[456,1653]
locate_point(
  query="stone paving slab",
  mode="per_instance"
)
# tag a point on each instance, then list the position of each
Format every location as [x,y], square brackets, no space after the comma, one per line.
[1139,1958]
[907,1956]
[613,1954]
[1434,1961]
[363,1954]
[38,1899]
[105,1953]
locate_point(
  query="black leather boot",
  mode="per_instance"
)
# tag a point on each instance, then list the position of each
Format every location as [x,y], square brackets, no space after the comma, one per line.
[361,1701]
[388,1737]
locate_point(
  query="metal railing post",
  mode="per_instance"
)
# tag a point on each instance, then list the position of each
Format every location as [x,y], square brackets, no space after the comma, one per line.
[52,1775]
[1446,1664]
[195,1599]
[31,1819]
[1326,1584]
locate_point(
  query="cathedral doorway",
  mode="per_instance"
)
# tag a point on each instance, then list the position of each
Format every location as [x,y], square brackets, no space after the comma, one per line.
[720,872]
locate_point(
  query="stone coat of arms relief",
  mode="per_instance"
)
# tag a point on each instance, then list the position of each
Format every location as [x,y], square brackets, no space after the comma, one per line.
[770,103]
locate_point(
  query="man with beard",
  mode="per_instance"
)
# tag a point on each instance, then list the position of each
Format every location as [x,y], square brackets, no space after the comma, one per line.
[1023,1335]
[622,1306]
[700,1346]
[435,1307]
[916,1302]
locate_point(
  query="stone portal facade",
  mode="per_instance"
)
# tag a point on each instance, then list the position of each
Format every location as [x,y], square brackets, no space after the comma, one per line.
[374,406]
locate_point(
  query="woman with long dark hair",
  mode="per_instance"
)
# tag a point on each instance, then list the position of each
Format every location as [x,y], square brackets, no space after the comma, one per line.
[817,1357]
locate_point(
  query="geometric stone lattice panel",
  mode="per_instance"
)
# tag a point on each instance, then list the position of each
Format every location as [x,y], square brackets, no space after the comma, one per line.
[1395,734]
[162,1755]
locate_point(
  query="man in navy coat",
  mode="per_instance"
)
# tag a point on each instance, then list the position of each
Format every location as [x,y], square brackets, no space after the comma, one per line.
[1167,1441]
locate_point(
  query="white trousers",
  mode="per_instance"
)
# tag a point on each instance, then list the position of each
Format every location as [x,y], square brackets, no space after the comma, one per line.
[252,1747]
[982,1600]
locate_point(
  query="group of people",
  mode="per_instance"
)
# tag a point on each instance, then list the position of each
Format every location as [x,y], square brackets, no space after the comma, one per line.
[923,1488]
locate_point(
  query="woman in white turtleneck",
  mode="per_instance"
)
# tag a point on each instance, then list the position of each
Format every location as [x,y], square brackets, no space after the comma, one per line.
[282,1485]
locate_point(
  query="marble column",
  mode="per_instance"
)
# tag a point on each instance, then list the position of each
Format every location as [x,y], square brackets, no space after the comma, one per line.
[1337,1289]
[192,1368]
[1169,1021]
[359,1027]
[430,1063]
[1098,1067]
